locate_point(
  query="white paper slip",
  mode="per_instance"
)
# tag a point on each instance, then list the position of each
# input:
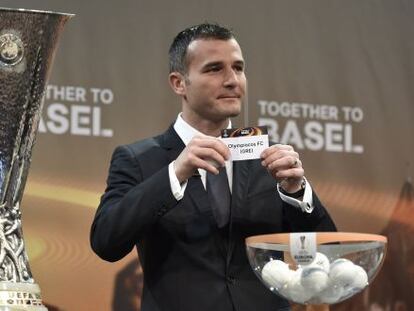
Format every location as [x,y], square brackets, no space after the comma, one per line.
[246,143]
[303,247]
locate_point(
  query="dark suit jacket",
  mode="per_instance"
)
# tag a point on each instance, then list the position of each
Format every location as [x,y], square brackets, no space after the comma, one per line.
[188,263]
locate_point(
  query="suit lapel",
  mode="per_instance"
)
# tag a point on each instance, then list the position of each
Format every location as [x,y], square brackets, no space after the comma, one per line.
[172,143]
[195,189]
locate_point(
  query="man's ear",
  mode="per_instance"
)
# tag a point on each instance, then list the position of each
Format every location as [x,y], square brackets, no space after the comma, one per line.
[177,83]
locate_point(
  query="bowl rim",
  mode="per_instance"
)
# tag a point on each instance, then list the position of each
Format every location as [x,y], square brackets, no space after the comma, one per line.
[321,238]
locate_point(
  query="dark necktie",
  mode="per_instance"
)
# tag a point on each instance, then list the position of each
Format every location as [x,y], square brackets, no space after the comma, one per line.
[218,193]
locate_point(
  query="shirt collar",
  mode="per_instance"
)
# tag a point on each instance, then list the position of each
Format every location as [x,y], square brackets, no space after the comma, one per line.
[185,131]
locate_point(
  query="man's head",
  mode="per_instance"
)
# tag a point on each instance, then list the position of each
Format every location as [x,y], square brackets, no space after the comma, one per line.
[207,72]
[178,50]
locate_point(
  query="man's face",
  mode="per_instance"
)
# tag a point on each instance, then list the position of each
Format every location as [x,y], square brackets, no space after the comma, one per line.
[215,83]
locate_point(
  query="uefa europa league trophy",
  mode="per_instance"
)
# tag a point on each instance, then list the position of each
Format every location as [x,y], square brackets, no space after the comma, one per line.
[28,40]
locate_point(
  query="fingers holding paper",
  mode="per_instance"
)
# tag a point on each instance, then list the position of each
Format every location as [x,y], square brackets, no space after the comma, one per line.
[284,164]
[205,152]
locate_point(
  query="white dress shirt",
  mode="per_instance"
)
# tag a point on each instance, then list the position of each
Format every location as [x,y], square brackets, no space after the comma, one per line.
[186,132]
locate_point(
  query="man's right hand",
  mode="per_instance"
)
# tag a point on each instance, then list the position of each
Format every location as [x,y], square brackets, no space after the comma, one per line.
[205,152]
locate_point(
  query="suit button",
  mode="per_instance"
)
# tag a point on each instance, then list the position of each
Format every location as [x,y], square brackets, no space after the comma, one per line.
[231,280]
[162,211]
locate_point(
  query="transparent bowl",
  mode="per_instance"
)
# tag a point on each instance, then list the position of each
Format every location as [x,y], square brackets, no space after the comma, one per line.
[316,267]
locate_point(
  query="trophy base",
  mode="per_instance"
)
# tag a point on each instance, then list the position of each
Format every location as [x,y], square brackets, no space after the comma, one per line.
[20,297]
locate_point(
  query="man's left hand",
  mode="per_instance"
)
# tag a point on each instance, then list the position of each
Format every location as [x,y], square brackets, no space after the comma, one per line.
[283,163]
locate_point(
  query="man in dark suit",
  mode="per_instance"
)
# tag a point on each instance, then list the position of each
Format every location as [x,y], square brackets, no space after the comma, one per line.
[161,195]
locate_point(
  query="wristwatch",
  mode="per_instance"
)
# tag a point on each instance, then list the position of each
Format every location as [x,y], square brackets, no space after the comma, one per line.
[298,194]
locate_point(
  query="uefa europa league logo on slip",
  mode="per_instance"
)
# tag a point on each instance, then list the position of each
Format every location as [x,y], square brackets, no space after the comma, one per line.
[302,241]
[28,40]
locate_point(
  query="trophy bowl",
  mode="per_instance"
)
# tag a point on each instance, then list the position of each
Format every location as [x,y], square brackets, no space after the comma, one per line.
[316,267]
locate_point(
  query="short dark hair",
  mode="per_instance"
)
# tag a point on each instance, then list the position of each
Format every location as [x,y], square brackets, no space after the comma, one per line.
[178,49]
